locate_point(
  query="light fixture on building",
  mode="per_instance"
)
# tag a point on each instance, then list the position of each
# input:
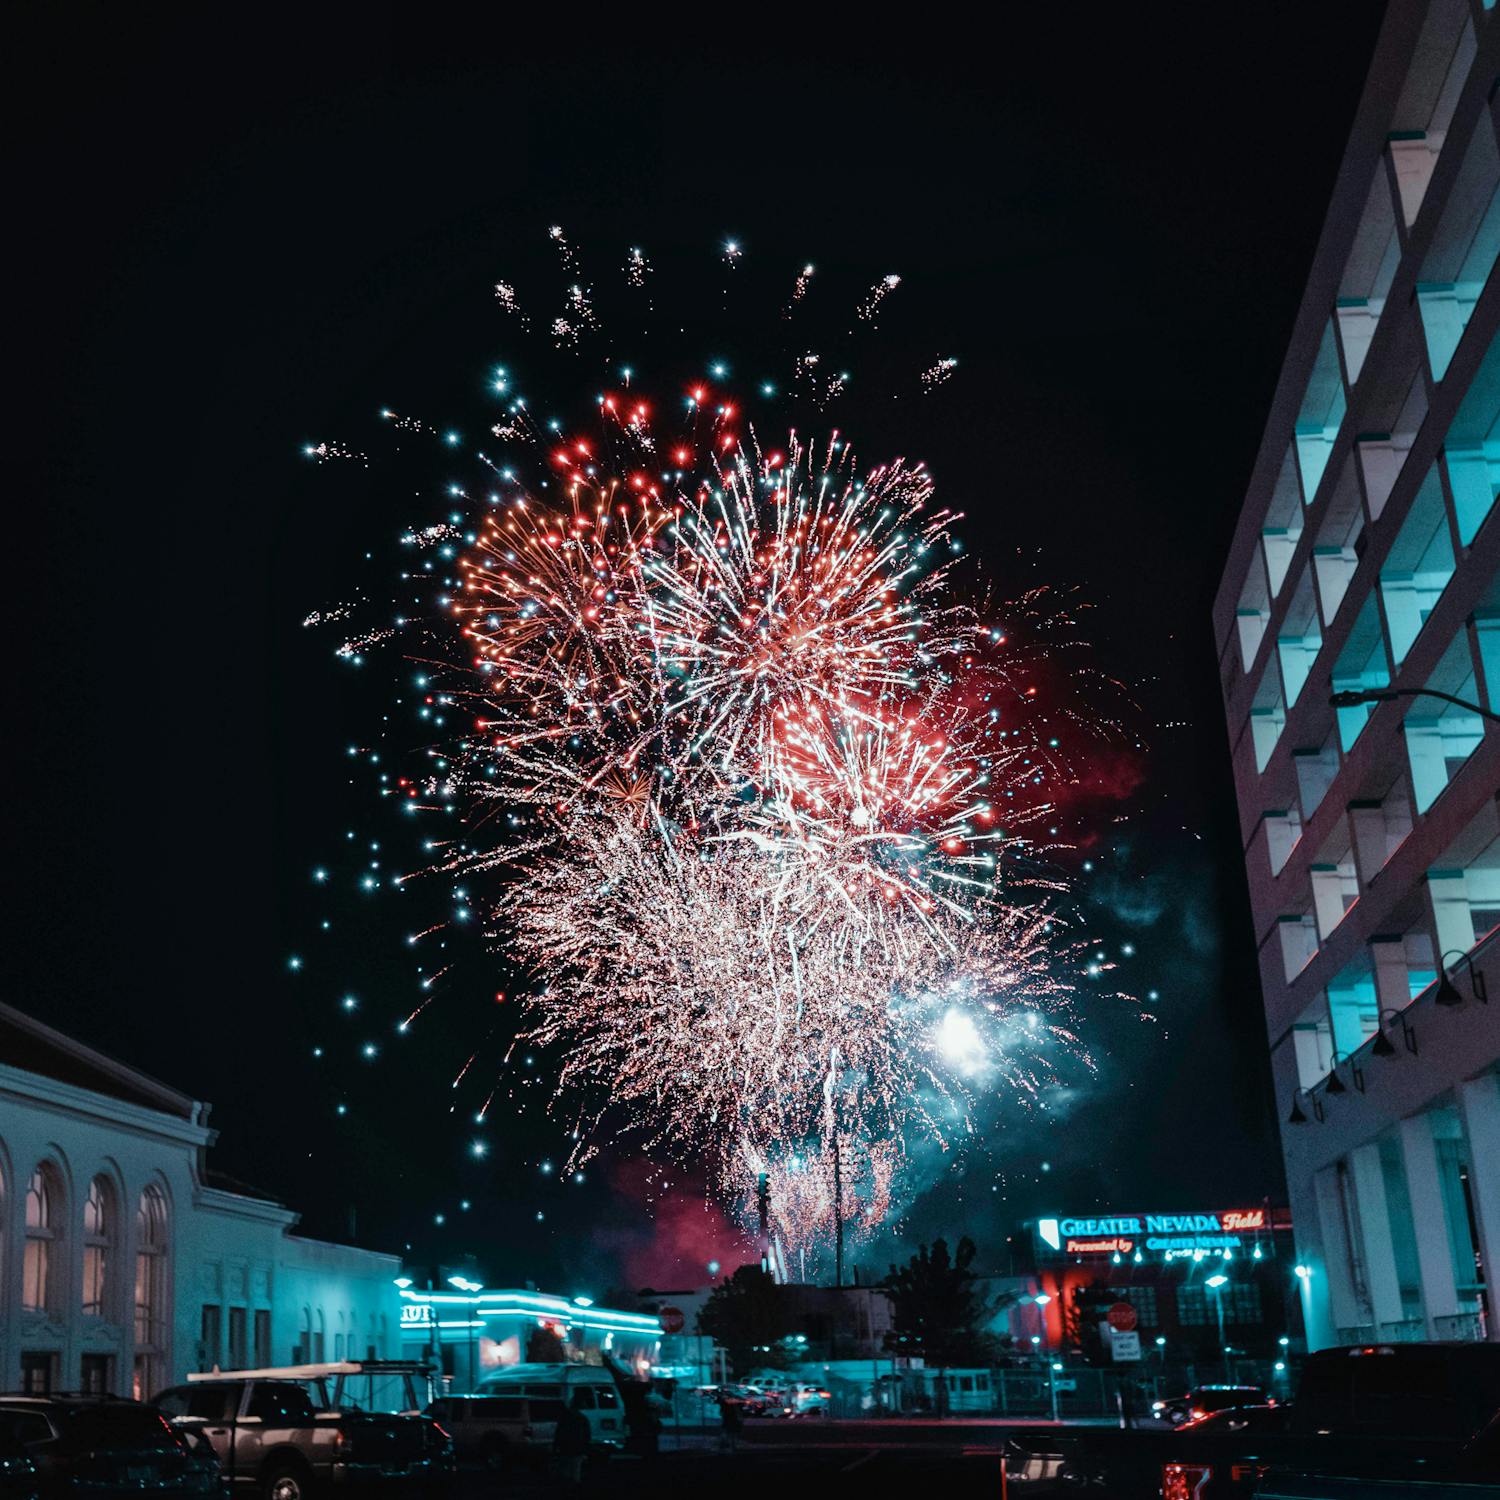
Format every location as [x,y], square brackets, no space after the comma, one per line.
[1447,991]
[1335,1084]
[1298,1116]
[1383,1046]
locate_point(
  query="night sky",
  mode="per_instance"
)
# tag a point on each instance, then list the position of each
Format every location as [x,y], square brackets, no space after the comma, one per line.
[231,237]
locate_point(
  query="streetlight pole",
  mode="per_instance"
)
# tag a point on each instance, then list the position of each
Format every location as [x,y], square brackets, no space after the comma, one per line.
[1354,697]
[1216,1285]
[838,1213]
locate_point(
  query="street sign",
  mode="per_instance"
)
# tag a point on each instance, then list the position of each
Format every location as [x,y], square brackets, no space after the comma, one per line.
[1122,1317]
[672,1319]
[1124,1346]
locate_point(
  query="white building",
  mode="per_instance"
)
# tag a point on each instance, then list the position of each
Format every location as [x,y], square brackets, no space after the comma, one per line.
[1367,561]
[122,1265]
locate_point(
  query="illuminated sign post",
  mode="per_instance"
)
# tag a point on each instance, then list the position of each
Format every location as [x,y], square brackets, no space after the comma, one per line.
[1167,1235]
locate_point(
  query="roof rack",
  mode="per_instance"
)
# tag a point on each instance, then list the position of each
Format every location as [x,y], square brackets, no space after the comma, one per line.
[316,1371]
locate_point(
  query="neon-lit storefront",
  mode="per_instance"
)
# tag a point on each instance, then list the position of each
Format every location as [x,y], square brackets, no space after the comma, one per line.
[473,1333]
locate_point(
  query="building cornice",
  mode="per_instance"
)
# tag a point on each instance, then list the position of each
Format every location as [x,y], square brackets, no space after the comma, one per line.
[69,1099]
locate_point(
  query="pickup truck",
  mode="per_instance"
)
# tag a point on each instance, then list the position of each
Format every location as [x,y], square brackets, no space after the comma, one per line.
[1386,1421]
[273,1438]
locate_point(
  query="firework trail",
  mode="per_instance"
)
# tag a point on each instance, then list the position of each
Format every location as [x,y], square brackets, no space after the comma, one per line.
[757,790]
[875,296]
[936,373]
[799,290]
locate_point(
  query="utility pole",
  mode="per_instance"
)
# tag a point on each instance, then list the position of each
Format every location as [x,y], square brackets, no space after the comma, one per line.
[763,1202]
[838,1214]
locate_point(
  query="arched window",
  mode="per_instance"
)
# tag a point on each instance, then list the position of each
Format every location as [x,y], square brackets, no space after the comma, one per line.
[98,1243]
[150,1293]
[44,1252]
[320,1339]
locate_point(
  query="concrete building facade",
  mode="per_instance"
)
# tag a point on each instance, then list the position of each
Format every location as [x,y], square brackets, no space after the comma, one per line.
[123,1263]
[1365,560]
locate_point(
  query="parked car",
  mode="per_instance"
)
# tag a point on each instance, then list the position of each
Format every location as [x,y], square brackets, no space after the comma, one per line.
[773,1387]
[751,1399]
[271,1435]
[593,1388]
[803,1400]
[1384,1420]
[1240,1419]
[102,1445]
[497,1430]
[1203,1400]
[17,1470]
[18,1479]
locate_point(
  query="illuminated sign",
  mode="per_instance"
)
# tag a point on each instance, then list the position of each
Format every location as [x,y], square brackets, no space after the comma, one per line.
[1168,1234]
[416,1315]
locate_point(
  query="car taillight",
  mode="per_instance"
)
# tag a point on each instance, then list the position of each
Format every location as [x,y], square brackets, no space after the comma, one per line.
[826,1395]
[443,1432]
[1184,1481]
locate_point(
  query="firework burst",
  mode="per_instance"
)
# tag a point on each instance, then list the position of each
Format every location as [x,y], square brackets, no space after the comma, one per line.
[763,788]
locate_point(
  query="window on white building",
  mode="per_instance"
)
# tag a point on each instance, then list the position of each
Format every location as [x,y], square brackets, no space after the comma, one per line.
[43,1256]
[98,1244]
[1441,736]
[1464,885]
[238,1350]
[150,1293]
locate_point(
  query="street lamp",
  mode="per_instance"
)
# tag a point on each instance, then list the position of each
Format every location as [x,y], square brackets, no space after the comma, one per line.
[1216,1284]
[1354,697]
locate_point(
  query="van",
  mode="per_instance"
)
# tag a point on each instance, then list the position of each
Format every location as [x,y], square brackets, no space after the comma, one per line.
[593,1389]
[497,1430]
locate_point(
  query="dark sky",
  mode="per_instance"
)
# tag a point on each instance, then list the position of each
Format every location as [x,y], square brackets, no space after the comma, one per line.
[230,235]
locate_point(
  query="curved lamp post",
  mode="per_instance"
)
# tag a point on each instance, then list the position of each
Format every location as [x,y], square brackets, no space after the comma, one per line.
[1353,697]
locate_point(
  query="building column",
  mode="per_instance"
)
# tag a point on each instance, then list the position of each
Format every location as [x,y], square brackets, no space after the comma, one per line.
[1479,1106]
[1375,1235]
[1311,1291]
[1367,832]
[1451,916]
[1429,1220]
[1392,978]
[1344,1301]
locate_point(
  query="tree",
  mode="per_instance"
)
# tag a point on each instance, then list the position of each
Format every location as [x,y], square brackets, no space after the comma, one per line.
[938,1310]
[748,1316]
[1081,1319]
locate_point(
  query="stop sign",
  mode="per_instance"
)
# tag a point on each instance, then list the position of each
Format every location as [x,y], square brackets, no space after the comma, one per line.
[672,1320]
[1122,1317]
